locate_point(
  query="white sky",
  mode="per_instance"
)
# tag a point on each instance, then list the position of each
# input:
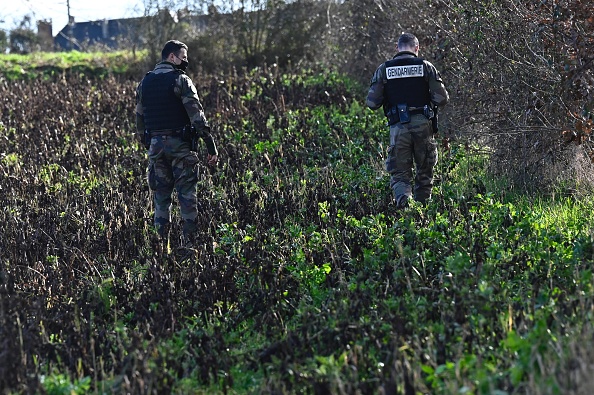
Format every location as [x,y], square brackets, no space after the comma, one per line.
[13,11]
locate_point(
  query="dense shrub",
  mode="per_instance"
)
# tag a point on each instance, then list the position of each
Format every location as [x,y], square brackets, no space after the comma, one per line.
[515,68]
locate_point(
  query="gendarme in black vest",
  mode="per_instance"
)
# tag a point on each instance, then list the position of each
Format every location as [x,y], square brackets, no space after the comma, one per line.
[407,82]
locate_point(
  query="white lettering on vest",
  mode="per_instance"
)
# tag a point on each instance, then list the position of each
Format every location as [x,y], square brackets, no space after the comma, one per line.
[404,71]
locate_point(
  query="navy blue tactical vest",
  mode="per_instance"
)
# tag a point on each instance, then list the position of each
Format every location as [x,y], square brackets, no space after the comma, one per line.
[407,83]
[163,110]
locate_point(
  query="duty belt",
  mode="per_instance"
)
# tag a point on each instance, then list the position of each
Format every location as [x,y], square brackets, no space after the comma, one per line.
[393,116]
[416,110]
[168,132]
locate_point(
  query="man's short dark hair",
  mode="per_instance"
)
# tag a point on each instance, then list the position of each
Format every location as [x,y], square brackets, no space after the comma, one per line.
[172,46]
[407,40]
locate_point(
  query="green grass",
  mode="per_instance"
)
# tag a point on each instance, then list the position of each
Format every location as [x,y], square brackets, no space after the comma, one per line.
[17,66]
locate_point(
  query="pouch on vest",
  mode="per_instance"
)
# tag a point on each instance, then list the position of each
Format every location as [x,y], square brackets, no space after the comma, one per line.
[403,113]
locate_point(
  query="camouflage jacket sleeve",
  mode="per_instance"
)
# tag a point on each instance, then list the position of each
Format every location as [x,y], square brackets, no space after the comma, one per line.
[139,113]
[189,97]
[375,96]
[439,94]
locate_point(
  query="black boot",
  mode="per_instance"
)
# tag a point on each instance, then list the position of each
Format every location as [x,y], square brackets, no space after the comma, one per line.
[162,242]
[402,202]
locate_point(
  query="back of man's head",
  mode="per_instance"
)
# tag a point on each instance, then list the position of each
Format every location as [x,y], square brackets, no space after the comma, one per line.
[407,41]
[172,47]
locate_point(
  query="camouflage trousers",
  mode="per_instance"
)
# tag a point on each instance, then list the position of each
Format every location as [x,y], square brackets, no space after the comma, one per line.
[173,166]
[411,143]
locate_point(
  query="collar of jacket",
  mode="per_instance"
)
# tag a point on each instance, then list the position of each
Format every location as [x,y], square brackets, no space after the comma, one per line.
[405,54]
[165,64]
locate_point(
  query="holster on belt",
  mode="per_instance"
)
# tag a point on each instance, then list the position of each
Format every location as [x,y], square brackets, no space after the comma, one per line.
[189,135]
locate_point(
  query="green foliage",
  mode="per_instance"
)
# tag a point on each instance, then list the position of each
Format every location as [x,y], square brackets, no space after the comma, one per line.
[60,384]
[306,278]
[16,66]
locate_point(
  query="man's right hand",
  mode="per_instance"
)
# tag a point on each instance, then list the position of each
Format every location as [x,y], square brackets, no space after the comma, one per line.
[142,139]
[212,159]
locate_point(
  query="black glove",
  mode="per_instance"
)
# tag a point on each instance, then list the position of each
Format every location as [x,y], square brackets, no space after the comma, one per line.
[146,139]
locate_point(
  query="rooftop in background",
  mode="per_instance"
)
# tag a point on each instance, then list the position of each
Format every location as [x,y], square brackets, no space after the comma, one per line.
[108,33]
[112,33]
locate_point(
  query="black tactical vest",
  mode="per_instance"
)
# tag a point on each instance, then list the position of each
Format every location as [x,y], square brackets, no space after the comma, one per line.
[407,83]
[163,110]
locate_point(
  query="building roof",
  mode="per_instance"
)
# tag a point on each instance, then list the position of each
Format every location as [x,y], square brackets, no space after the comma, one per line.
[107,33]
